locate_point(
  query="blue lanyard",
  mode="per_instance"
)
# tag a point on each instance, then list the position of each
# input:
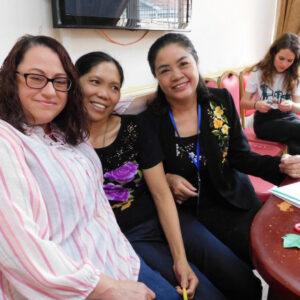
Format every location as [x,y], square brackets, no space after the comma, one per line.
[197,161]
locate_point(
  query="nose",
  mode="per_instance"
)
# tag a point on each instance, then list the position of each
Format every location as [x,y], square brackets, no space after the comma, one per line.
[49,89]
[286,64]
[102,93]
[176,74]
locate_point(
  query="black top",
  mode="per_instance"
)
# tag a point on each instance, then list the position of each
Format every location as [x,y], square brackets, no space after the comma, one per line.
[228,156]
[122,163]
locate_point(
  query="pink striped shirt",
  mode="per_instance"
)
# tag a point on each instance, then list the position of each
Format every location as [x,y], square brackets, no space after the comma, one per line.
[57,230]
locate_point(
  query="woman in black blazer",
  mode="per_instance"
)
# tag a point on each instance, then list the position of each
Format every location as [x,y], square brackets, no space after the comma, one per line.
[206,153]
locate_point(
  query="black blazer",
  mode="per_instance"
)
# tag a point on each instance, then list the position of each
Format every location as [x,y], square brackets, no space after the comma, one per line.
[229,157]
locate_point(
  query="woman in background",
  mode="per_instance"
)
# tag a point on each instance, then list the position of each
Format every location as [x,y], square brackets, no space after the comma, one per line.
[276,79]
[130,155]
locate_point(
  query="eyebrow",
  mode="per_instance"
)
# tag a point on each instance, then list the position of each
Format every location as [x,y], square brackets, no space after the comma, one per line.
[101,78]
[166,65]
[41,71]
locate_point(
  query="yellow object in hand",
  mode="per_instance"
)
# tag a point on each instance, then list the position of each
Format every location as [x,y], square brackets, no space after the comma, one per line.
[184,294]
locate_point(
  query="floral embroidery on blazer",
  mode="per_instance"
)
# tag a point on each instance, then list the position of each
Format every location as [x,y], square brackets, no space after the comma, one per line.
[219,125]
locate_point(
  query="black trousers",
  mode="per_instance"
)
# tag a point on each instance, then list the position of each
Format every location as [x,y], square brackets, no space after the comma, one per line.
[283,130]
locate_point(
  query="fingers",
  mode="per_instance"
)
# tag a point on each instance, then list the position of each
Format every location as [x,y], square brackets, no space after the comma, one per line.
[187,190]
[189,281]
[288,159]
[151,294]
[290,165]
[183,191]
[184,194]
[188,185]
[193,283]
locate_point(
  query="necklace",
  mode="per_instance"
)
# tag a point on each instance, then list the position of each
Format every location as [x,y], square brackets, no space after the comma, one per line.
[105,131]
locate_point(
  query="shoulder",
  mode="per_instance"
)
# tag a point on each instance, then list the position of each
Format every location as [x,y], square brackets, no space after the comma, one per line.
[221,96]
[10,138]
[129,121]
[7,131]
[223,99]
[296,90]
[255,73]
[129,118]
[217,92]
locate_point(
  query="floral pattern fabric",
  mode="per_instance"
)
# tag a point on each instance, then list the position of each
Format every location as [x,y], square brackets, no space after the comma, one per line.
[219,124]
[122,163]
[120,186]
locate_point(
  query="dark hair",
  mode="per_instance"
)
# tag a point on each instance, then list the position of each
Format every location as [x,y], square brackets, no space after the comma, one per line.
[266,65]
[170,38]
[160,104]
[86,62]
[72,120]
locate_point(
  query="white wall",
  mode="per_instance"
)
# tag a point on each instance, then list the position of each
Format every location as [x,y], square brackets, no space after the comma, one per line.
[227,34]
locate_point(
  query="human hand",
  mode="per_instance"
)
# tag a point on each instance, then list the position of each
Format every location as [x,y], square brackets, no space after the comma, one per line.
[290,165]
[186,277]
[181,188]
[111,289]
[285,105]
[263,106]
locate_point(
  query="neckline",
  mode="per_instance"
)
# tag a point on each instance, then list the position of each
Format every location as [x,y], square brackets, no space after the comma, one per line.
[115,140]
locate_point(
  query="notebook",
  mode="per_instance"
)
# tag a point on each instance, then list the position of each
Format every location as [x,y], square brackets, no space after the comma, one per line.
[290,193]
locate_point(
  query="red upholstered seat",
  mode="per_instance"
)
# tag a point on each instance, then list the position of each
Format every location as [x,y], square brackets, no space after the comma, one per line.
[232,82]
[251,136]
[261,187]
[265,148]
[210,82]
[245,76]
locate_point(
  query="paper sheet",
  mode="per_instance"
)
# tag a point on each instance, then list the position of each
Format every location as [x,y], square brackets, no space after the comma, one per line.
[290,193]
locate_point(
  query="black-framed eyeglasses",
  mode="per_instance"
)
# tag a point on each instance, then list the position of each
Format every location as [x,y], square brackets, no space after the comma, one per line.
[38,81]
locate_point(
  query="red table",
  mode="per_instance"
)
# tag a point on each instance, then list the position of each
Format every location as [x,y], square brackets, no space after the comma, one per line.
[279,267]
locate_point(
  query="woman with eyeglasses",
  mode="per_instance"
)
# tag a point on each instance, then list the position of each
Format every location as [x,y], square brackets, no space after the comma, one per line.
[59,237]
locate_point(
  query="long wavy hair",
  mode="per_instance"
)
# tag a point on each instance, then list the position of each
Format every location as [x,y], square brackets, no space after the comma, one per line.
[72,120]
[160,105]
[266,65]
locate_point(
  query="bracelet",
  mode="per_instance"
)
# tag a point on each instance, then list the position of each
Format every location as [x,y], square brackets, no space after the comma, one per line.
[255,104]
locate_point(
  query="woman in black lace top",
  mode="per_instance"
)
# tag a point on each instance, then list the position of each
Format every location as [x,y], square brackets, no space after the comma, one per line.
[136,186]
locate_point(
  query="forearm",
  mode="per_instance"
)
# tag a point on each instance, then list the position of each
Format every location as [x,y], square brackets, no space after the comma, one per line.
[136,105]
[247,102]
[105,283]
[169,220]
[166,209]
[111,289]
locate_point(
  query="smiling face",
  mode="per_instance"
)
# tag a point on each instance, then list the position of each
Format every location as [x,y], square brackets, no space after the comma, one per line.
[283,60]
[101,90]
[41,106]
[177,73]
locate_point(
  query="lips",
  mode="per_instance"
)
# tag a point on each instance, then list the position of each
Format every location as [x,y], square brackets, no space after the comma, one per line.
[98,105]
[46,102]
[180,86]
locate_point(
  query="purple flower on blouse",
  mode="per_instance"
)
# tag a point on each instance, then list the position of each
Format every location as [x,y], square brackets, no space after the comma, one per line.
[116,192]
[125,173]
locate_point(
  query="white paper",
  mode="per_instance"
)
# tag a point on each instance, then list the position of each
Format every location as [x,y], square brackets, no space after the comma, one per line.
[290,193]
